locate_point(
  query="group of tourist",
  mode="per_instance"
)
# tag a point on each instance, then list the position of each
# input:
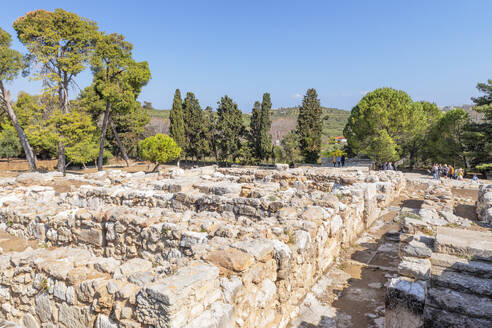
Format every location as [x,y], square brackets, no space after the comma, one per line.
[339,161]
[388,166]
[447,171]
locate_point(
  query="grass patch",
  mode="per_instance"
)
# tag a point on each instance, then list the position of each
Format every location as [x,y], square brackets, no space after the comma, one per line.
[412,216]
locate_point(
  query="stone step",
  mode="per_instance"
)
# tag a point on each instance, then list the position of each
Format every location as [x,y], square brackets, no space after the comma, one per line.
[460,303]
[463,282]
[465,243]
[441,262]
[439,318]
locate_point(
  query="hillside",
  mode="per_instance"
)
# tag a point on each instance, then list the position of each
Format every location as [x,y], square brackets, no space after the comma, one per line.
[283,121]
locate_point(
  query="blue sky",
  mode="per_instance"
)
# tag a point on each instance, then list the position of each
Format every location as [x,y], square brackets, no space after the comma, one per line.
[434,50]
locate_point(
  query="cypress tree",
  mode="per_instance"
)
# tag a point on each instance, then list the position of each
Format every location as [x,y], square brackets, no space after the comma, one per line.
[264,138]
[196,142]
[177,130]
[309,126]
[230,128]
[254,127]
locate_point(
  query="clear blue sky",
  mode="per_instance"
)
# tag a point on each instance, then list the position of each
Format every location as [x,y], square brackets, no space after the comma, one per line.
[434,50]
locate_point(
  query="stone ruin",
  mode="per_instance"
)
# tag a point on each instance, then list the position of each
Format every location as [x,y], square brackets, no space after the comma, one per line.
[208,247]
[445,269]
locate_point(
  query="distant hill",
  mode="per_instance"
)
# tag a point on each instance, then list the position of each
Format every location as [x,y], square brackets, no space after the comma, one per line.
[284,119]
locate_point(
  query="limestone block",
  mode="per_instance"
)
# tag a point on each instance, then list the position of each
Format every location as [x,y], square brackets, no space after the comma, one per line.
[405,301]
[230,259]
[414,267]
[165,303]
[261,249]
[44,307]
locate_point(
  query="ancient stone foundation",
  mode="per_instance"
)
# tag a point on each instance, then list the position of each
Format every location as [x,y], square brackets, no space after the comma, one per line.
[445,266]
[207,247]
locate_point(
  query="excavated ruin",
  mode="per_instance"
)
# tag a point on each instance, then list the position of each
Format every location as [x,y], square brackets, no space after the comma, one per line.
[214,247]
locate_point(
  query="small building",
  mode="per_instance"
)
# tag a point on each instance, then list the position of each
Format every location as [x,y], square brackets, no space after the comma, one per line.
[340,139]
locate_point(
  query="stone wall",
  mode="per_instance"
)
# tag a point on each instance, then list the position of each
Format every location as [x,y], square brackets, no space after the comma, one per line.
[484,203]
[226,247]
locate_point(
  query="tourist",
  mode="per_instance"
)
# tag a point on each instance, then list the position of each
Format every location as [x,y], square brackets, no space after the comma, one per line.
[475,178]
[343,160]
[390,166]
[460,174]
[334,161]
[339,161]
[435,172]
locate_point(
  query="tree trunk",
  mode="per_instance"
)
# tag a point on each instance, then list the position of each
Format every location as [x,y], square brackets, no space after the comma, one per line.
[63,93]
[61,157]
[103,133]
[5,97]
[155,168]
[118,141]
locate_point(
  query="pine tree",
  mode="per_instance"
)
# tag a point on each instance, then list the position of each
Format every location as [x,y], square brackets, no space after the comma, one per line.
[309,126]
[177,129]
[230,128]
[265,139]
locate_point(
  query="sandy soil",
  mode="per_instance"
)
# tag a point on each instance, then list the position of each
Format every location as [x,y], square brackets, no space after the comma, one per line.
[19,166]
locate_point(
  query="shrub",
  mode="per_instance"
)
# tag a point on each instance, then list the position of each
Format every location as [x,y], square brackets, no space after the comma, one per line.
[159,149]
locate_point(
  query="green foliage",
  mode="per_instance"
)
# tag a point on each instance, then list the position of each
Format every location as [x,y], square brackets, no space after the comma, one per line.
[264,137]
[77,132]
[254,129]
[291,149]
[60,43]
[118,79]
[479,134]
[9,142]
[159,149]
[230,129]
[34,117]
[309,126]
[212,132]
[422,118]
[176,118]
[130,126]
[196,141]
[485,167]
[11,61]
[382,147]
[382,116]
[445,142]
